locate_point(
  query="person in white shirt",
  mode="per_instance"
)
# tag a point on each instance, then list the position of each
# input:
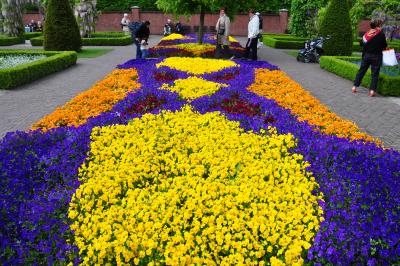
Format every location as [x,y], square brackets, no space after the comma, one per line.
[223,31]
[124,24]
[253,30]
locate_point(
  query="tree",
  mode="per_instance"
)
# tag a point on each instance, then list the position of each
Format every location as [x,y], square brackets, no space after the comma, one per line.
[12,17]
[86,15]
[61,32]
[303,16]
[336,24]
[361,9]
[190,7]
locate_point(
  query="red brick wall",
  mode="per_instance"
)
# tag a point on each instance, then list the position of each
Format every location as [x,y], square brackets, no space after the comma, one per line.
[110,21]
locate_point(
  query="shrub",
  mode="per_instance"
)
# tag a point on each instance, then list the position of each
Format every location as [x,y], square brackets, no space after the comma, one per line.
[284,42]
[6,41]
[30,35]
[116,40]
[341,66]
[61,32]
[56,61]
[302,18]
[336,23]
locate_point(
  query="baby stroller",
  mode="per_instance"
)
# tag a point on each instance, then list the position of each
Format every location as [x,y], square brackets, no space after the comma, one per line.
[312,50]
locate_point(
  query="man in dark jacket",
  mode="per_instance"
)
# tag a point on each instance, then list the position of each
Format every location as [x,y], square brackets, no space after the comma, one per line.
[142,33]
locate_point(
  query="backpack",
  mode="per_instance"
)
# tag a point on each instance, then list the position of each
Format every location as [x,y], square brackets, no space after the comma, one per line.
[134,27]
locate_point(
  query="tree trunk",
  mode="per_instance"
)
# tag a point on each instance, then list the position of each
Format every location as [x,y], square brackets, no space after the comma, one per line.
[12,21]
[202,15]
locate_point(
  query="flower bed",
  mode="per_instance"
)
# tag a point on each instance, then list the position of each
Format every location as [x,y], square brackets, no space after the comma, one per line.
[186,46]
[240,174]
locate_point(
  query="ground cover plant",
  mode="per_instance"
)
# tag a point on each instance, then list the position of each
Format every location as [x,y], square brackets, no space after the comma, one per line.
[244,168]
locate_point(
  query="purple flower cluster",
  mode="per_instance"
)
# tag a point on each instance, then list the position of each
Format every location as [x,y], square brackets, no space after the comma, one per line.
[360,182]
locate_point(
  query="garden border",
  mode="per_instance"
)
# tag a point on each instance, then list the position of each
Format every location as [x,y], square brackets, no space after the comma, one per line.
[99,39]
[283,41]
[387,85]
[7,41]
[55,61]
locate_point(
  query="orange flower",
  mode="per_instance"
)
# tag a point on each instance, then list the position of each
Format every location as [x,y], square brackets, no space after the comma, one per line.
[100,98]
[289,94]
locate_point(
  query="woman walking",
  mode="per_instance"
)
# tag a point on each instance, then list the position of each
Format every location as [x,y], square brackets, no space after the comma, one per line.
[223,31]
[373,43]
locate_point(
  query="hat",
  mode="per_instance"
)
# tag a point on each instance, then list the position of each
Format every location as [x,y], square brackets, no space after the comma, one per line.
[126,14]
[257,13]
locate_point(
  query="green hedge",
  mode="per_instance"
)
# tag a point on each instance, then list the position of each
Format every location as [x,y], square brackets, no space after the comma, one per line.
[7,41]
[387,85]
[283,42]
[30,35]
[98,39]
[55,61]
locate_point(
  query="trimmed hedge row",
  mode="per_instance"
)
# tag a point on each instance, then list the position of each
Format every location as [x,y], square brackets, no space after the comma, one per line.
[55,61]
[98,39]
[387,85]
[30,35]
[7,41]
[283,41]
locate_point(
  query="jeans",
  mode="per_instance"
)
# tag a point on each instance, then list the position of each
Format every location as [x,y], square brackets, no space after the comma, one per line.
[373,60]
[138,51]
[251,47]
[145,53]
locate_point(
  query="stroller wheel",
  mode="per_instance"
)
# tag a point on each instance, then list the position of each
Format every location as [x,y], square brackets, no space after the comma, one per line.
[306,60]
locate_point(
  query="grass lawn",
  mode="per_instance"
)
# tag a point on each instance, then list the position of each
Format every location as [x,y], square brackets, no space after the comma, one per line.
[93,52]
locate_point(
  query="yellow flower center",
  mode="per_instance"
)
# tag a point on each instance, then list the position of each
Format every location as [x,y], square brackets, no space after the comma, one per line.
[183,188]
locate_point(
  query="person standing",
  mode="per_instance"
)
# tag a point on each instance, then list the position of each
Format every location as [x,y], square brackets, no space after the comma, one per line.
[124,24]
[223,32]
[253,30]
[373,43]
[143,33]
[261,21]
[168,28]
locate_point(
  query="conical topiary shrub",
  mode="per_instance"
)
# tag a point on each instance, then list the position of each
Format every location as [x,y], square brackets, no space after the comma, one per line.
[61,32]
[336,24]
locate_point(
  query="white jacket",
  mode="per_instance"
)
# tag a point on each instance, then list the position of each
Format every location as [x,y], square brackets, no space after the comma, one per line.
[253,27]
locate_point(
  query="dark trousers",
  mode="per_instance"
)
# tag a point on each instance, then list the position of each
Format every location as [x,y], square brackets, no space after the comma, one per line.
[251,47]
[138,51]
[226,53]
[373,60]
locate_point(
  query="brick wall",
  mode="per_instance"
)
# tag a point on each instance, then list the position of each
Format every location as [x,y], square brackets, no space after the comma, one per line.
[110,21]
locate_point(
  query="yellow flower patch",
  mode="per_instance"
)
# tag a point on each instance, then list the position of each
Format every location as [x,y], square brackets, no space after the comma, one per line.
[193,87]
[184,188]
[174,36]
[100,98]
[289,94]
[196,49]
[196,66]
